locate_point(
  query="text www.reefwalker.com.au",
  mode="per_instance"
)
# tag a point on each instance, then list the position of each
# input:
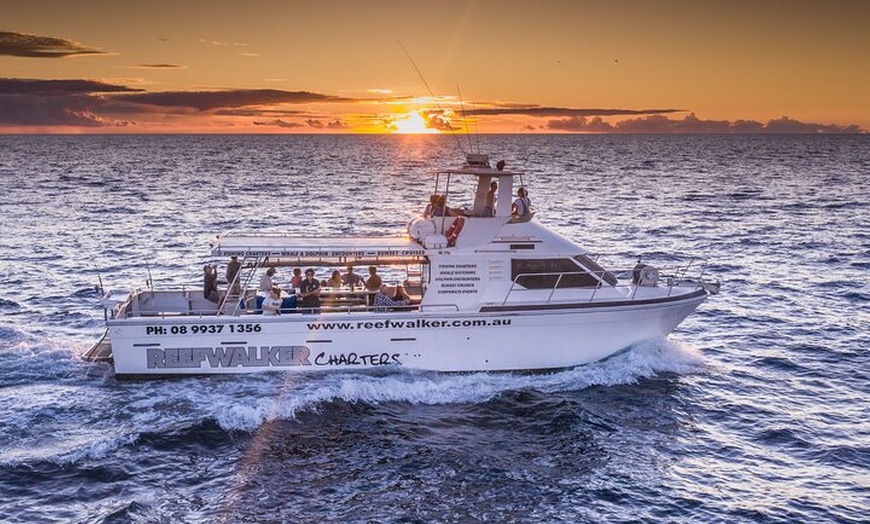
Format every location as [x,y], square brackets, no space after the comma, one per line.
[418,323]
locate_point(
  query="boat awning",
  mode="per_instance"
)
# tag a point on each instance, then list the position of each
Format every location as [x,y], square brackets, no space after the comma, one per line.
[286,249]
[480,171]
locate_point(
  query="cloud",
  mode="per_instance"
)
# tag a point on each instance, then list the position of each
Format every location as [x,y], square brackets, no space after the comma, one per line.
[787,125]
[26,86]
[260,113]
[36,46]
[223,44]
[435,119]
[209,100]
[691,124]
[541,111]
[581,124]
[278,123]
[94,103]
[158,66]
[318,124]
[56,102]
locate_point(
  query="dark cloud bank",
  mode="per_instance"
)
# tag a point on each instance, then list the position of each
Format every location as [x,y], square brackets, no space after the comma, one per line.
[35,46]
[691,124]
[90,103]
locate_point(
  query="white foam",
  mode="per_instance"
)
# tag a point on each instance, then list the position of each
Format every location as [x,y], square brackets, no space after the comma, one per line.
[286,399]
[87,416]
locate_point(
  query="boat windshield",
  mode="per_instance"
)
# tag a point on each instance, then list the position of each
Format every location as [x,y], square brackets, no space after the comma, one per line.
[596,269]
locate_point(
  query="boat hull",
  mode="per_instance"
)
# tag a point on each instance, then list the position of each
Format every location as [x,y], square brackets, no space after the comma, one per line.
[460,341]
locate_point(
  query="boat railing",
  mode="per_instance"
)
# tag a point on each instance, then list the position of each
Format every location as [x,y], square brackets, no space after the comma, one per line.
[186,302]
[294,311]
[671,277]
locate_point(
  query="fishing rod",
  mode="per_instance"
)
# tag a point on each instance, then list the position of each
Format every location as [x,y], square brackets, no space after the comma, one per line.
[432,94]
[99,289]
[465,120]
[150,281]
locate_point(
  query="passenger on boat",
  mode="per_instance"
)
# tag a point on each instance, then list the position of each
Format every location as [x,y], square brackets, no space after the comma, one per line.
[437,207]
[309,292]
[522,205]
[635,272]
[374,281]
[297,277]
[489,208]
[335,279]
[272,303]
[267,282]
[384,299]
[209,283]
[352,279]
[430,207]
[233,267]
[265,287]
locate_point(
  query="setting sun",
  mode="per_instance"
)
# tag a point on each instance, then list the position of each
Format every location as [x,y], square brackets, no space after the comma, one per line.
[413,123]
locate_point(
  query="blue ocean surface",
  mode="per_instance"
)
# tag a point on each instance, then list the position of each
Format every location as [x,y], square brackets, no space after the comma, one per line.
[756,409]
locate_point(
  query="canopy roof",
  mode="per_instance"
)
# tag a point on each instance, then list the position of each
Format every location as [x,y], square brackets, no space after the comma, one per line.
[288,249]
[478,165]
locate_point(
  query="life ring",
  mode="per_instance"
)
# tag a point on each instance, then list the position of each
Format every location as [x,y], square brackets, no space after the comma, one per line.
[454,230]
[649,277]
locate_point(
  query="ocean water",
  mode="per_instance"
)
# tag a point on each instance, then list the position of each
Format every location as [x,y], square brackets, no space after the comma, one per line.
[756,409]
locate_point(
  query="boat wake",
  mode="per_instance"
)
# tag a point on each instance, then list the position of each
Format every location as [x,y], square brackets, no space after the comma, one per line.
[90,415]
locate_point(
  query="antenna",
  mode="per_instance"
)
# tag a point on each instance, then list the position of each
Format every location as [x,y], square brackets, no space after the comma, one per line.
[99,289]
[452,132]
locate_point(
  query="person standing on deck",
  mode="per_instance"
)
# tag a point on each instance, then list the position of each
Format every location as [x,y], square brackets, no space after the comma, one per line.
[272,303]
[489,208]
[209,283]
[233,268]
[309,292]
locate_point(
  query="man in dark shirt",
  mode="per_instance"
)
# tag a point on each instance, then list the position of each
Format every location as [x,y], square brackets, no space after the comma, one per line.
[309,292]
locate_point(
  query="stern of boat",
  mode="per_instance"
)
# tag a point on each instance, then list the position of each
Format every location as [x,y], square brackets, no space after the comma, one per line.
[101,350]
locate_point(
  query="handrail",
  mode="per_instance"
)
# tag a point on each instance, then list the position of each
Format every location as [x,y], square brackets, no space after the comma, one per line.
[299,310]
[674,276]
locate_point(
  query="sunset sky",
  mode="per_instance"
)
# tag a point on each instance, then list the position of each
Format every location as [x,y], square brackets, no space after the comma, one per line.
[498,66]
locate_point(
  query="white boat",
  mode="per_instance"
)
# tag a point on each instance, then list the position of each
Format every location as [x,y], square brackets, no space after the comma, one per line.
[490,291]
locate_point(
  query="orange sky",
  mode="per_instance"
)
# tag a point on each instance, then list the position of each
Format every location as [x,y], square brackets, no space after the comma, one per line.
[520,66]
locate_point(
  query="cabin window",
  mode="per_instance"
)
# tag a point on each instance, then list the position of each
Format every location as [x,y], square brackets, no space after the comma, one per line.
[544,273]
[596,268]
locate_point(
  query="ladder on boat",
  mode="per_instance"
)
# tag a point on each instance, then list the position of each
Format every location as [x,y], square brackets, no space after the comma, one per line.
[243,287]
